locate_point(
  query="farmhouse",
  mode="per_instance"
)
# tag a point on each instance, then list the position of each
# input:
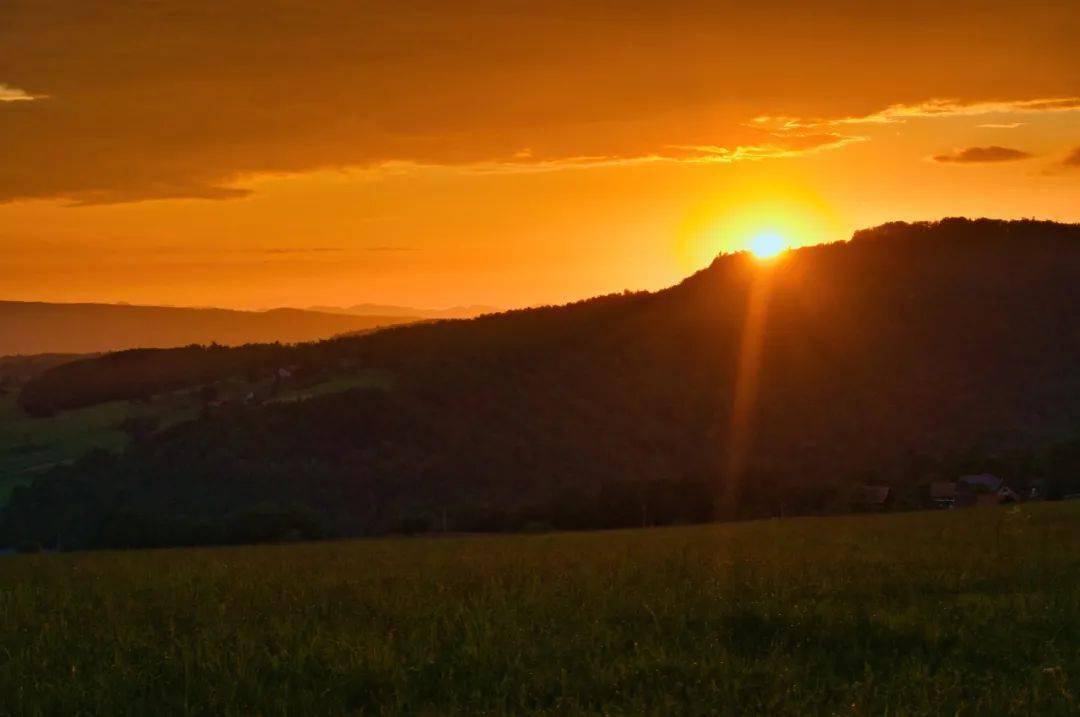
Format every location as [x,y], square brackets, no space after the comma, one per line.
[943,494]
[983,489]
[873,497]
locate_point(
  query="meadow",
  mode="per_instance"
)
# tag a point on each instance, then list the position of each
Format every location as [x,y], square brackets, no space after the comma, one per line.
[29,446]
[955,612]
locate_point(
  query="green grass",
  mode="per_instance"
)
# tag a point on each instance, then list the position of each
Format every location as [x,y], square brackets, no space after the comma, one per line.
[966,612]
[362,379]
[29,446]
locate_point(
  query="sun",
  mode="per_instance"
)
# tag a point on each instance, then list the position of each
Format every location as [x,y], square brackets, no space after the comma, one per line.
[767,245]
[765,219]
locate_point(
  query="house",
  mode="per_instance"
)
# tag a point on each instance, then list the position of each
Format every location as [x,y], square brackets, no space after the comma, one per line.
[943,494]
[873,497]
[287,372]
[983,489]
[981,483]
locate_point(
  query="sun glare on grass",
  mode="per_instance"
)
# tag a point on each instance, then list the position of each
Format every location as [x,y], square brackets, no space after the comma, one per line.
[767,245]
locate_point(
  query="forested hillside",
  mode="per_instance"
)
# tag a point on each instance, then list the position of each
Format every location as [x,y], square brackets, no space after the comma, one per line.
[751,388]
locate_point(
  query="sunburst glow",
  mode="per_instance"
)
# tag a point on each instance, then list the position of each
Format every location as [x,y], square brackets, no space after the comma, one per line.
[767,245]
[764,219]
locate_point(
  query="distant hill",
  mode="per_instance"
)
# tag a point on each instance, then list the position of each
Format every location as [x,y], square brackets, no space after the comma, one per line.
[34,327]
[18,369]
[907,355]
[453,312]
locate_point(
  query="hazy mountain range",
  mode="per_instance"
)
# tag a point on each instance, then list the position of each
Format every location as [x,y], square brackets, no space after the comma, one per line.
[38,327]
[453,312]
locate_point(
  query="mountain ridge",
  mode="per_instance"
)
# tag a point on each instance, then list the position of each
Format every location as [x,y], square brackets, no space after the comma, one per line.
[902,356]
[452,312]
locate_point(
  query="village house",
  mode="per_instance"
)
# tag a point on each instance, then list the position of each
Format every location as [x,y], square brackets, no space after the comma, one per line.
[983,489]
[943,494]
[873,497]
[287,372]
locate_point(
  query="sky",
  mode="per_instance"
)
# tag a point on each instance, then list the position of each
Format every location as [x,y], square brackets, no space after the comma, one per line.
[288,153]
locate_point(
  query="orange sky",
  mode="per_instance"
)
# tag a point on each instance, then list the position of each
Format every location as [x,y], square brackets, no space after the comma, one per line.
[430,153]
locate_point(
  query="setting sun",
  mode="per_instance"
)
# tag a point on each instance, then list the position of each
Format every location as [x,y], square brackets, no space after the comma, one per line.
[707,296]
[767,245]
[765,219]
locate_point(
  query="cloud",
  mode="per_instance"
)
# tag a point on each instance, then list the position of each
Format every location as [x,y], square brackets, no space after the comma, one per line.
[231,92]
[301,250]
[1069,163]
[1001,125]
[978,155]
[953,108]
[14,94]
[780,146]
[936,108]
[152,190]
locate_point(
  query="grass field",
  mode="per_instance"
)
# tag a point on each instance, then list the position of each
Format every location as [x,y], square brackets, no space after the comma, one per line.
[31,445]
[337,384]
[966,612]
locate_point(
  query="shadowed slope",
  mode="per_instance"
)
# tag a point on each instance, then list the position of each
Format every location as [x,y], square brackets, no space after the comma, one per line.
[905,347]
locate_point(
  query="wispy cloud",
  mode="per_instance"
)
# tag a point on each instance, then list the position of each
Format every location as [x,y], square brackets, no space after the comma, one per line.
[980,155]
[935,108]
[301,250]
[1001,125]
[156,191]
[781,145]
[14,94]
[1069,163]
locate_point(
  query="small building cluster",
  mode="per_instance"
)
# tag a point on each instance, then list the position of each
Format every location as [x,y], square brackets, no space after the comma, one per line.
[972,490]
[965,492]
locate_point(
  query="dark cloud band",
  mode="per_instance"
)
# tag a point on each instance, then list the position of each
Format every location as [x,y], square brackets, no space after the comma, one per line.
[980,155]
[190,98]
